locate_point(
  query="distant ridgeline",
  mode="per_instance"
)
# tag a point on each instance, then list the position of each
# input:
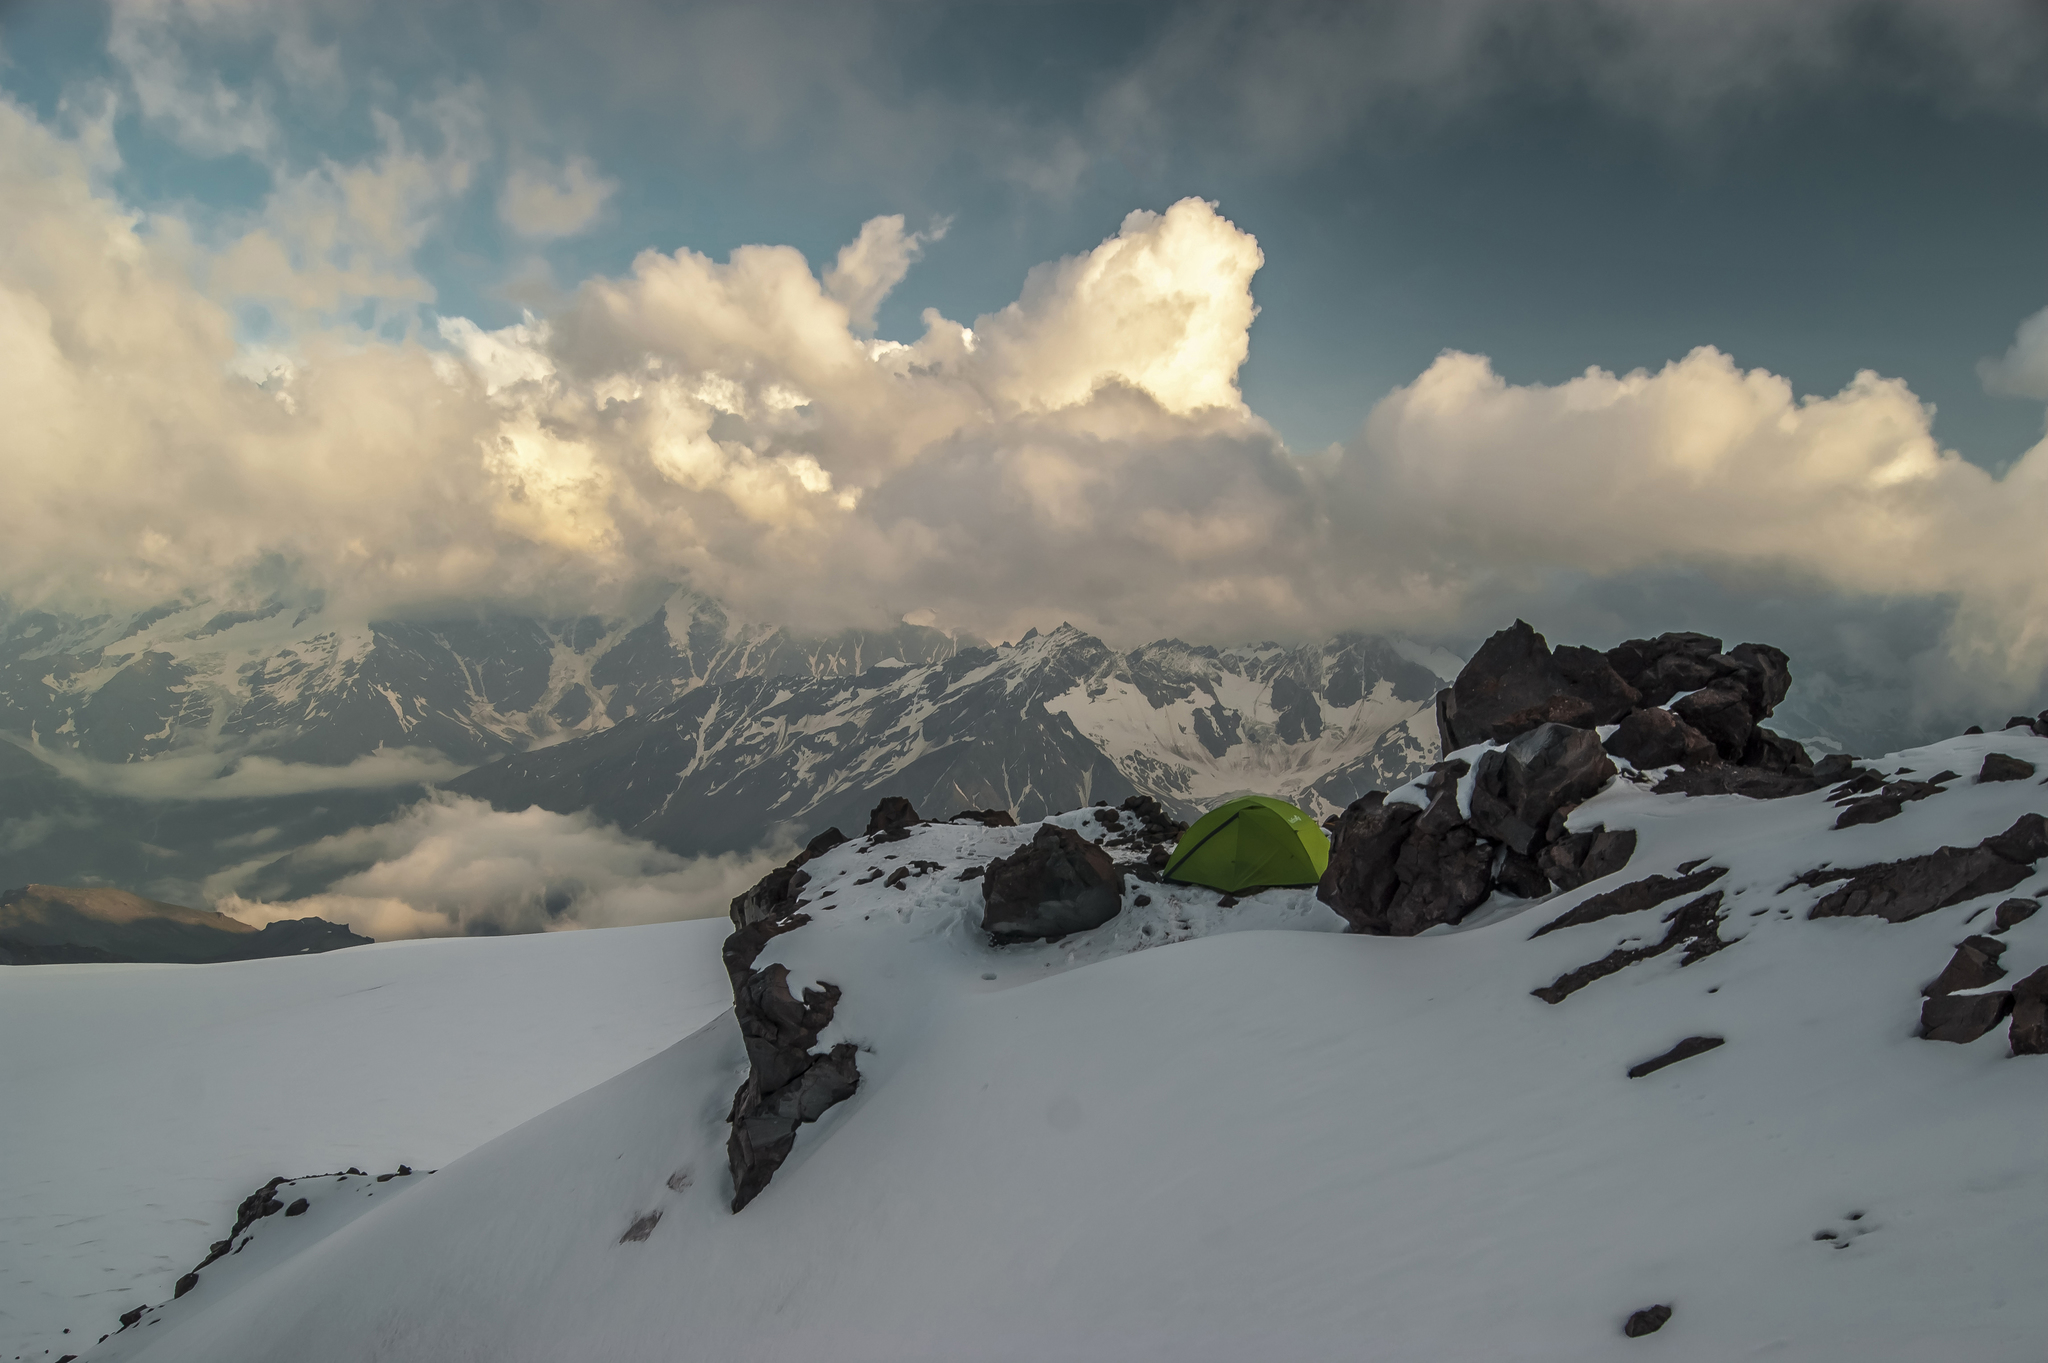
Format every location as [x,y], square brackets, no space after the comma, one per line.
[59,925]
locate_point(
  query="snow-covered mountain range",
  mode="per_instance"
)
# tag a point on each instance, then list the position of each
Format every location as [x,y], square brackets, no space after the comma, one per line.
[1054,721]
[699,731]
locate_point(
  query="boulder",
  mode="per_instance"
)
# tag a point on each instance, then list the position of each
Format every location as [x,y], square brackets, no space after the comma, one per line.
[2014,912]
[1765,674]
[987,818]
[2000,766]
[2029,1032]
[1540,774]
[1662,667]
[1770,751]
[1582,858]
[1722,713]
[1361,881]
[1443,876]
[1056,884]
[1963,1018]
[1592,678]
[892,814]
[1511,672]
[1655,737]
[1974,965]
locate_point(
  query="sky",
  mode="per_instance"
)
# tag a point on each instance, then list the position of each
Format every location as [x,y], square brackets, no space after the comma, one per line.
[1224,320]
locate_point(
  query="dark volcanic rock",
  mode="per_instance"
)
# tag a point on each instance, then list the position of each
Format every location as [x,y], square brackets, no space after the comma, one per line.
[1897,891]
[1963,1018]
[1695,926]
[1647,1321]
[1360,883]
[1722,713]
[1581,858]
[1731,779]
[2014,912]
[1999,766]
[1662,667]
[1769,751]
[1539,774]
[893,813]
[1633,897]
[988,818]
[2030,1014]
[776,893]
[1056,884]
[1974,965]
[1655,737]
[1521,877]
[1514,684]
[1684,1050]
[1511,672]
[1443,876]
[787,1084]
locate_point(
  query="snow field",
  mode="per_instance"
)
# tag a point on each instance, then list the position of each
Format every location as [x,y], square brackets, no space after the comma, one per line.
[143,1102]
[1267,1141]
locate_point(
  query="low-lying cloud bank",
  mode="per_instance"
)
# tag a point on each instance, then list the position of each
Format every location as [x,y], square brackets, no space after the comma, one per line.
[1083,453]
[452,866]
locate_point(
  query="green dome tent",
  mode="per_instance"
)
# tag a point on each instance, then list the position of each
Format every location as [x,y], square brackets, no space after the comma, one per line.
[1250,841]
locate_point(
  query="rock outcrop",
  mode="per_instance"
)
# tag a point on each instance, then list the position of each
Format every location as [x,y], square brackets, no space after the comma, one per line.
[1057,883]
[780,891]
[1898,891]
[787,1083]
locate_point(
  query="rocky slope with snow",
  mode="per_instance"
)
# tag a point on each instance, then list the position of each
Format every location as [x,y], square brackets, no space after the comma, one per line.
[1748,1066]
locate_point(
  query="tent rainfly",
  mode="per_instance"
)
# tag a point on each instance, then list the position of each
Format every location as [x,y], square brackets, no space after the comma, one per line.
[1252,841]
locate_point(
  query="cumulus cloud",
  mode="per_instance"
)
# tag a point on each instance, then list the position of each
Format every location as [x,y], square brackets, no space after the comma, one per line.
[543,202]
[452,866]
[1083,453]
[874,263]
[2022,372]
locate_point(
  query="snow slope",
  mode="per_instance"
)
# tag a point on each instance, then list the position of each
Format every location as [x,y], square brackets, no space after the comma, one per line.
[1267,1140]
[142,1102]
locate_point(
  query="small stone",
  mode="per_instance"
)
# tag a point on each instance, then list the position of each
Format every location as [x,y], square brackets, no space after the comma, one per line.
[297,1208]
[1647,1321]
[1140,901]
[184,1285]
[641,1228]
[2000,766]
